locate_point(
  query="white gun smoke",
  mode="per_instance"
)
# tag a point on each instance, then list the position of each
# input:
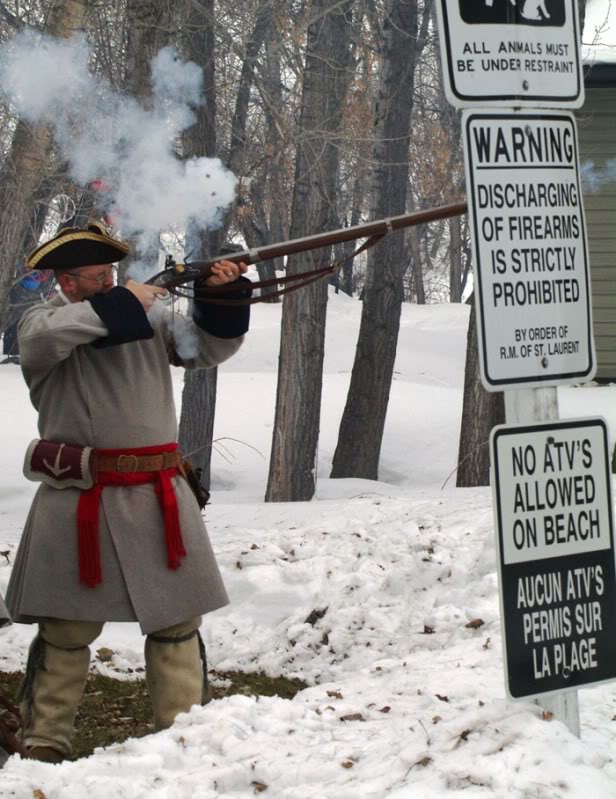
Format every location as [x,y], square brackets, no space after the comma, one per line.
[595,178]
[107,136]
[182,329]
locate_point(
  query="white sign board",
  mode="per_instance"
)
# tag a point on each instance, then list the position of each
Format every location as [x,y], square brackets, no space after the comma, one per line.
[511,52]
[530,254]
[557,576]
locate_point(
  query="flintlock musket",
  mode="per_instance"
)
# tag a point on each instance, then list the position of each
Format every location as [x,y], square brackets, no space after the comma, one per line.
[175,275]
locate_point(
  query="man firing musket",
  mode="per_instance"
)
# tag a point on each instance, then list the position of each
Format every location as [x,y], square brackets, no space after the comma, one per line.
[114,532]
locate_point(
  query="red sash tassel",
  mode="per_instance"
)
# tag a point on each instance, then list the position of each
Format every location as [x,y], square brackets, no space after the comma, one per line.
[90,572]
[88,512]
[169,506]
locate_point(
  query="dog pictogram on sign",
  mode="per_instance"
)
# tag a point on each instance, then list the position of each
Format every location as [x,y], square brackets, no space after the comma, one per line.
[548,13]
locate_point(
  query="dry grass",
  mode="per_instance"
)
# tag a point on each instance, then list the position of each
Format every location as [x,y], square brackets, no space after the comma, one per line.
[113,710]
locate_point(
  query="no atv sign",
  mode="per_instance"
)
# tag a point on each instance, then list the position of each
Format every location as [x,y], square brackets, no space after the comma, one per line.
[553,514]
[499,52]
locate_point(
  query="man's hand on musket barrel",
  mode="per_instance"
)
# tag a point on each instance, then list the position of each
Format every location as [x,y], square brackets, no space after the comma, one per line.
[145,293]
[224,272]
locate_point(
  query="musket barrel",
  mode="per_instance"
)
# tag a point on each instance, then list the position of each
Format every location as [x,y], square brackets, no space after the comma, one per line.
[365,230]
[317,240]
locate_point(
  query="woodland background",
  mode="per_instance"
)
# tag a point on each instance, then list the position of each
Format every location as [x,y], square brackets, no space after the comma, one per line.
[329,113]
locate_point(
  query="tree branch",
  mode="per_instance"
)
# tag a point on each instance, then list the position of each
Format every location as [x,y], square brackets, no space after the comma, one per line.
[12,20]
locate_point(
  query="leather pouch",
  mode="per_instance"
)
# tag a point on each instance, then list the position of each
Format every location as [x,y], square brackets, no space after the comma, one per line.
[59,465]
[193,478]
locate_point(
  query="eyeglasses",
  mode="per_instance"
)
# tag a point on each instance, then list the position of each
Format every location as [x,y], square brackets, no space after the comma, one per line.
[99,279]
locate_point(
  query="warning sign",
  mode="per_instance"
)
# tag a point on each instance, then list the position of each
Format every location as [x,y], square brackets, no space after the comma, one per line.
[529,247]
[553,514]
[499,52]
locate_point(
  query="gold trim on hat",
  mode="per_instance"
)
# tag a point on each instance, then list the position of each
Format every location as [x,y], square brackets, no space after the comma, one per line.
[45,249]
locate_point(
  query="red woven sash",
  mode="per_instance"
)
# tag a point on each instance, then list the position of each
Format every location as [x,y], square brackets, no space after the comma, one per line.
[88,511]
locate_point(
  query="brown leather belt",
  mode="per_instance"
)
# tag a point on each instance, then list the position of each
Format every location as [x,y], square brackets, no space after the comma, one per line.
[136,463]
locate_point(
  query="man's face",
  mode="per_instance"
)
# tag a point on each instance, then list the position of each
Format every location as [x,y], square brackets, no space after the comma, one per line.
[86,281]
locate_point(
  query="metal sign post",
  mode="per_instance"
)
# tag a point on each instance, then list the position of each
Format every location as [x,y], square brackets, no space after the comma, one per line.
[535,405]
[525,206]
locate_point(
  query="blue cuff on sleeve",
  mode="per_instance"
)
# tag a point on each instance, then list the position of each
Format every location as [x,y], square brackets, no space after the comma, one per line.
[224,321]
[123,315]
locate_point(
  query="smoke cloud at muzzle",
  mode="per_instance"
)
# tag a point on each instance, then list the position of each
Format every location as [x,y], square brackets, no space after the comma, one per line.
[107,136]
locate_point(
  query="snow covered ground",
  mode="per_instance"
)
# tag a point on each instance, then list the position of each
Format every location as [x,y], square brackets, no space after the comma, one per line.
[341,592]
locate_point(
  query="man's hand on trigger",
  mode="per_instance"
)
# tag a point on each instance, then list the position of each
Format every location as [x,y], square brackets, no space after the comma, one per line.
[145,293]
[224,272]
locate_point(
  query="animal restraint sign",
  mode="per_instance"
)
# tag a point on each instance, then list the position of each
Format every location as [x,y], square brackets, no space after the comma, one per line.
[503,52]
[555,546]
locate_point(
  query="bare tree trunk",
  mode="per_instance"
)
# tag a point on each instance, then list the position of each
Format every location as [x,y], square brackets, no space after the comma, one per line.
[252,218]
[363,421]
[466,254]
[273,108]
[481,411]
[149,25]
[28,164]
[416,265]
[582,12]
[21,298]
[238,126]
[346,273]
[199,394]
[455,260]
[196,432]
[300,373]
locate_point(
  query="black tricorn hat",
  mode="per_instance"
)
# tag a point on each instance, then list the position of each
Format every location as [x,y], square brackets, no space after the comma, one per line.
[73,247]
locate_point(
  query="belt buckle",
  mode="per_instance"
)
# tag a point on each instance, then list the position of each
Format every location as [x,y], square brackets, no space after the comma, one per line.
[127,463]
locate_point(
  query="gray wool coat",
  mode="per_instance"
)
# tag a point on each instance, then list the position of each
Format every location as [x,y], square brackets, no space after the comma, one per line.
[114,397]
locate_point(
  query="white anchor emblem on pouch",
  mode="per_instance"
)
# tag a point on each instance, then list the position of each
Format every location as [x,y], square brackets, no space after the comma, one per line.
[55,469]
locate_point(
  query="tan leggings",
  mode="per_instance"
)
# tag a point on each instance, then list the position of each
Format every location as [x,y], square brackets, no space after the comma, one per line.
[59,662]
